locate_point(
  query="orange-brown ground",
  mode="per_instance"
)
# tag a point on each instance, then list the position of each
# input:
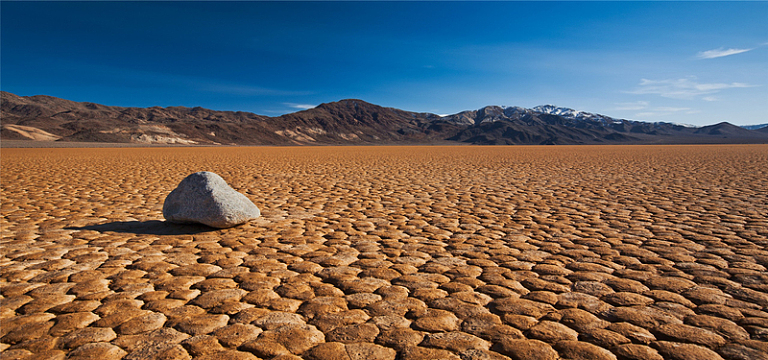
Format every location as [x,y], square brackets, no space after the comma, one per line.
[629,252]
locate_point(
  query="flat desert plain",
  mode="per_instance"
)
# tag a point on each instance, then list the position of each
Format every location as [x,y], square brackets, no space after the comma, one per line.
[581,252]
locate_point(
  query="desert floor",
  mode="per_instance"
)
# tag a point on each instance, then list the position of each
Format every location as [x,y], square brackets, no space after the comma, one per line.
[583,252]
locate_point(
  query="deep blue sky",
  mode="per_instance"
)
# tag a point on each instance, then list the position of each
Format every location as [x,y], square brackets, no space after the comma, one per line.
[689,62]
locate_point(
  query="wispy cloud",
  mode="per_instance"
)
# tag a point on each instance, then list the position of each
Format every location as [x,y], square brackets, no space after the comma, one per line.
[710,98]
[637,105]
[721,52]
[299,106]
[687,88]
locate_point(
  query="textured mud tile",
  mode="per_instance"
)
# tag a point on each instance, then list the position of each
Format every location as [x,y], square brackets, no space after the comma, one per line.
[14,354]
[43,303]
[423,353]
[68,322]
[719,310]
[296,339]
[236,334]
[602,337]
[462,309]
[18,289]
[435,320]
[201,324]
[114,319]
[296,291]
[646,317]
[85,336]
[261,297]
[662,295]
[215,284]
[163,305]
[99,350]
[150,345]
[184,294]
[143,323]
[526,349]
[202,345]
[521,322]
[356,333]
[593,288]
[581,320]
[284,304]
[637,352]
[26,332]
[517,306]
[627,299]
[176,283]
[578,350]
[275,319]
[14,302]
[632,332]
[456,341]
[114,306]
[679,351]
[210,299]
[551,332]
[399,308]
[367,351]
[327,351]
[228,354]
[740,352]
[246,316]
[671,284]
[329,321]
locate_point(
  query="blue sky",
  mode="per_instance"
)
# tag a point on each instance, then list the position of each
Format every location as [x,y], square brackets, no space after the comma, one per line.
[689,62]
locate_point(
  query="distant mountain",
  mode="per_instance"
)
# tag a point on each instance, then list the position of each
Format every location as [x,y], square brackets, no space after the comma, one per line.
[349,121]
[755,127]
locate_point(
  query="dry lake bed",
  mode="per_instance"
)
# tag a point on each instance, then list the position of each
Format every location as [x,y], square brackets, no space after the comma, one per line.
[558,252]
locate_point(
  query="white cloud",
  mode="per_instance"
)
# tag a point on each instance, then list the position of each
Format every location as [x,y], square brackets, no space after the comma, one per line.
[687,88]
[672,109]
[299,106]
[710,98]
[716,53]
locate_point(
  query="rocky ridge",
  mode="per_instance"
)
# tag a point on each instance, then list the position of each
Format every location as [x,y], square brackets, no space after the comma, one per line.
[346,122]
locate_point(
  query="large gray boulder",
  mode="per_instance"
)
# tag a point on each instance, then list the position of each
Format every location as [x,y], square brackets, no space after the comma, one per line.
[206,198]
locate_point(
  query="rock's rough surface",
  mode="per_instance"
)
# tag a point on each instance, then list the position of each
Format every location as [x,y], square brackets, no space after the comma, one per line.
[205,198]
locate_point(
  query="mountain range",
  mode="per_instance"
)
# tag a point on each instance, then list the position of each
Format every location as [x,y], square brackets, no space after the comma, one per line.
[345,122]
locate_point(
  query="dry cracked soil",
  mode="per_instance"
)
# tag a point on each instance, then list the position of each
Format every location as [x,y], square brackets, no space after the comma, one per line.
[364,253]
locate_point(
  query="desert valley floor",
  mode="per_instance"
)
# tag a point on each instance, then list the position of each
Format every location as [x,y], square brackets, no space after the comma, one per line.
[558,252]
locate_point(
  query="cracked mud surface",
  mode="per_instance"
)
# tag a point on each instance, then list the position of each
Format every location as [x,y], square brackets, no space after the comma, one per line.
[612,252]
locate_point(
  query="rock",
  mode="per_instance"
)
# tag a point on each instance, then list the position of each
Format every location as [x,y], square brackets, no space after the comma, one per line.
[205,198]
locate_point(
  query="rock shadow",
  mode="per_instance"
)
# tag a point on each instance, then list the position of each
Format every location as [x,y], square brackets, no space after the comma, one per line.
[151,227]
